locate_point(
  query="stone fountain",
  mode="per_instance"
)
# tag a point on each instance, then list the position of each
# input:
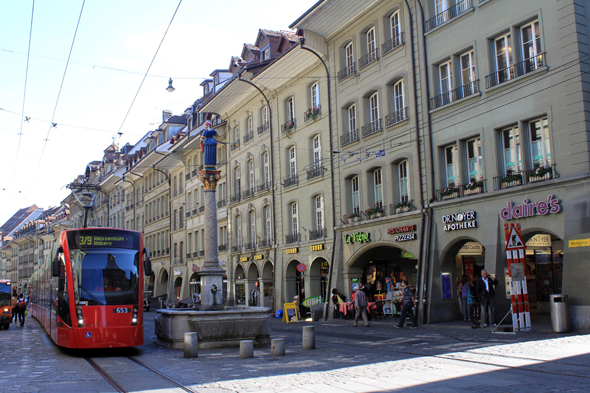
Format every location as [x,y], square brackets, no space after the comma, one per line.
[216,326]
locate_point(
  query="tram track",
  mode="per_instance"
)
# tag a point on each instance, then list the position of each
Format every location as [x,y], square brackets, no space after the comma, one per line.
[124,386]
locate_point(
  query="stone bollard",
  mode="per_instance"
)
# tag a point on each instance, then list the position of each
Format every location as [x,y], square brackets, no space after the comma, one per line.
[191,345]
[308,337]
[277,347]
[246,349]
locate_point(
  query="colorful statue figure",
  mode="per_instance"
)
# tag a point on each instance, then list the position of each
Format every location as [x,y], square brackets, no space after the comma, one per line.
[209,146]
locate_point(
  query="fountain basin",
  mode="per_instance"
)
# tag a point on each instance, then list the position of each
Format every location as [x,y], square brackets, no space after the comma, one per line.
[215,329]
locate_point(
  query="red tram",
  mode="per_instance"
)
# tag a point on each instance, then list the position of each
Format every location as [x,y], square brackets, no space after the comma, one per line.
[91,294]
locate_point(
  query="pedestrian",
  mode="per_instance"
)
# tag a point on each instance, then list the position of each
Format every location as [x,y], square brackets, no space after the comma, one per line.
[14,307]
[485,290]
[360,304]
[408,302]
[464,296]
[22,307]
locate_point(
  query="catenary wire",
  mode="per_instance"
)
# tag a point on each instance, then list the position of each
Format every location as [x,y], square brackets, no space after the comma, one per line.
[57,100]
[22,118]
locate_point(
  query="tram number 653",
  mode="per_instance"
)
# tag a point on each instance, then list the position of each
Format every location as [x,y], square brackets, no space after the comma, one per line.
[121,310]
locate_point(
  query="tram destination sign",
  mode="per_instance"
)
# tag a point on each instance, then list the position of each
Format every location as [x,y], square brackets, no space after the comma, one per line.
[453,222]
[107,241]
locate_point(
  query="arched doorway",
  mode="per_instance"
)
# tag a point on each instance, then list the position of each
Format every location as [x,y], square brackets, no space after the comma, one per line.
[543,268]
[240,286]
[267,286]
[318,278]
[177,288]
[382,268]
[252,289]
[464,256]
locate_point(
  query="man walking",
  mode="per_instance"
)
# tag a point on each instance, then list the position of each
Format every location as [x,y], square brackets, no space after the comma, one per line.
[485,290]
[360,304]
[407,305]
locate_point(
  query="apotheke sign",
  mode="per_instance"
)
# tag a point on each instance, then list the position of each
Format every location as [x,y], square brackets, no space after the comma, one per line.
[458,221]
[530,209]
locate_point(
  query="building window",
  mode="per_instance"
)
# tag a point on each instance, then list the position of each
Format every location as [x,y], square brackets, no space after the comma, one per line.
[531,46]
[292,162]
[267,224]
[446,84]
[355,195]
[511,147]
[404,189]
[317,151]
[315,95]
[319,212]
[266,168]
[474,161]
[451,166]
[378,188]
[540,144]
[291,109]
[294,219]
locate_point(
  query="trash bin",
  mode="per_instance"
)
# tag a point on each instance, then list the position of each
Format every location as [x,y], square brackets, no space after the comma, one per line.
[560,314]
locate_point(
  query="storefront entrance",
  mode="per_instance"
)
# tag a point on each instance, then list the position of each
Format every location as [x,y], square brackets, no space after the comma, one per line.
[544,269]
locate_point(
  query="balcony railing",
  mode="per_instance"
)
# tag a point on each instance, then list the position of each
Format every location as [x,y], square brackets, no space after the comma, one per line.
[222,247]
[515,70]
[236,248]
[319,234]
[460,92]
[222,202]
[250,246]
[393,43]
[315,171]
[349,137]
[289,181]
[294,238]
[263,128]
[264,186]
[396,117]
[462,190]
[264,243]
[371,128]
[288,127]
[248,193]
[235,198]
[235,145]
[515,179]
[346,72]
[447,15]
[248,137]
[369,58]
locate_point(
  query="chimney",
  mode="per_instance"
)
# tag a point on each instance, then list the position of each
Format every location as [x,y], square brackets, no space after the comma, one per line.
[166,114]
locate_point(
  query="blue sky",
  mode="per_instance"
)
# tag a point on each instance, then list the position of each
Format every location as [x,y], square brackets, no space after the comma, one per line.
[112,34]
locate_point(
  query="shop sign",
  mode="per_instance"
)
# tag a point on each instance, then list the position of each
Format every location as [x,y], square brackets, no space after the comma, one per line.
[453,222]
[258,257]
[579,243]
[292,250]
[359,237]
[317,247]
[530,209]
[178,273]
[244,259]
[540,240]
[471,248]
[311,301]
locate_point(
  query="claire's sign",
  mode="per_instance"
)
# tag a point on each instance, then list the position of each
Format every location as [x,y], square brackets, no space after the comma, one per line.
[530,209]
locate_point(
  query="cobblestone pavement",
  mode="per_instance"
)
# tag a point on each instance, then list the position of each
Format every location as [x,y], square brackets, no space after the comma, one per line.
[433,358]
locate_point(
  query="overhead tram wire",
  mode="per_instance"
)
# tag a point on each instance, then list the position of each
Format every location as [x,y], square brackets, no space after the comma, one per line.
[150,66]
[20,134]
[57,100]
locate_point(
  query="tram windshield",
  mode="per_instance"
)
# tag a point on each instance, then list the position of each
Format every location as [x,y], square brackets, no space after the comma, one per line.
[105,276]
[5,296]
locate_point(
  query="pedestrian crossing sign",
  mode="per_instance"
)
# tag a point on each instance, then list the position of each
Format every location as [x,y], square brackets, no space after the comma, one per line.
[514,241]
